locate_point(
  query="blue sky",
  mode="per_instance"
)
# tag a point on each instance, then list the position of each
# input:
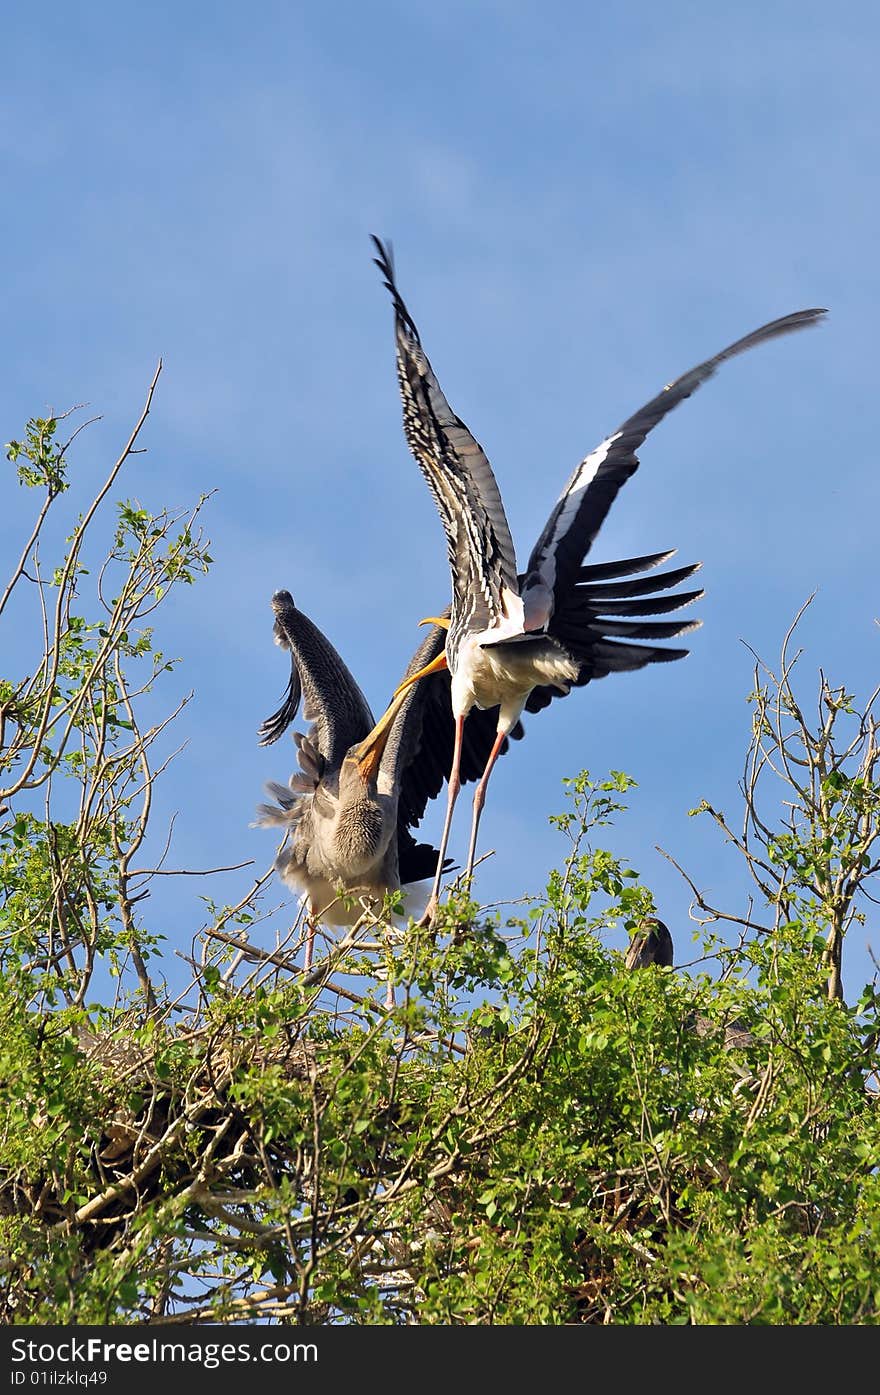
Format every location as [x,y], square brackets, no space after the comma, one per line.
[584,202]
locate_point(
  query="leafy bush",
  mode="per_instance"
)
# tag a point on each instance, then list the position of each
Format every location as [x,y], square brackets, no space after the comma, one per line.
[533,1135]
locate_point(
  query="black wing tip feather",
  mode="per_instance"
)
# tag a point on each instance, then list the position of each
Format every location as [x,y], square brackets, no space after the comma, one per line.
[785,324]
[798,319]
[659,656]
[599,571]
[417,861]
[681,388]
[385,262]
[638,629]
[598,608]
[275,726]
[608,578]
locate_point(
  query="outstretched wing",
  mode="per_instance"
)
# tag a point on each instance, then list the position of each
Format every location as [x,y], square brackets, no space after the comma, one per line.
[584,502]
[332,701]
[480,549]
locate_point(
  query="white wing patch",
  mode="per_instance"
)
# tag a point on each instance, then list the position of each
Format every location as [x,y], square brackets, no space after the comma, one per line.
[568,504]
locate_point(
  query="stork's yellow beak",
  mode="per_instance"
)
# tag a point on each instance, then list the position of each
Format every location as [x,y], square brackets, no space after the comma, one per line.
[435,666]
[368,754]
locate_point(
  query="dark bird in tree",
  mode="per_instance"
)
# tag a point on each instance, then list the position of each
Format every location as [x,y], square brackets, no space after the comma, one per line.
[362,785]
[651,944]
[517,639]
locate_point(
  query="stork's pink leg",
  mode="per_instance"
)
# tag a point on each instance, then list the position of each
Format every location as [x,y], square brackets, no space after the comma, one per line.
[452,795]
[479,801]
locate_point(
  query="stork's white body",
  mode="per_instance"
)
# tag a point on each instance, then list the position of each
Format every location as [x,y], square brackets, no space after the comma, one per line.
[496,671]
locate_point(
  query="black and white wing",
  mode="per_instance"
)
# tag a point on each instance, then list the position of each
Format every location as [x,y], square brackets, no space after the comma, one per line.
[480,549]
[332,701]
[584,502]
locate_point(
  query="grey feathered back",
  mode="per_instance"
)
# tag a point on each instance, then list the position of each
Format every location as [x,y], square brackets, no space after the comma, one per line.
[418,754]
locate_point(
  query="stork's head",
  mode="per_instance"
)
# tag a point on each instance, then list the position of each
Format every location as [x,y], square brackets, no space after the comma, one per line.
[366,756]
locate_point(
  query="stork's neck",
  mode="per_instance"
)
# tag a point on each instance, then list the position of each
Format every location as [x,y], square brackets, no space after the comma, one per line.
[362,826]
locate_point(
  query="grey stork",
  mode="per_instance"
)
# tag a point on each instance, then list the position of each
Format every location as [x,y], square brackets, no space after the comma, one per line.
[516,639]
[362,786]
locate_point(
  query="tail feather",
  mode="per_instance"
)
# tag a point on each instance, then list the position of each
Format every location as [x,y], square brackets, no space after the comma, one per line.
[612,656]
[604,657]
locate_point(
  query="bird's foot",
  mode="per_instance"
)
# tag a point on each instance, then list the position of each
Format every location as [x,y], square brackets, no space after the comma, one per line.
[429,915]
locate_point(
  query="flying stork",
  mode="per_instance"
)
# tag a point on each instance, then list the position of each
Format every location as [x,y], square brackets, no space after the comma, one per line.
[516,639]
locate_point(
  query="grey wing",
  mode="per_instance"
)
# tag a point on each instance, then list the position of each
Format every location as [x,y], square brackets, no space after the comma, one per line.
[332,701]
[583,504]
[479,546]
